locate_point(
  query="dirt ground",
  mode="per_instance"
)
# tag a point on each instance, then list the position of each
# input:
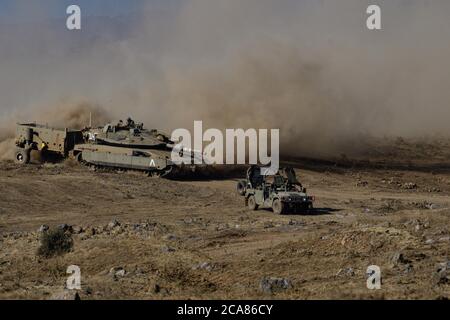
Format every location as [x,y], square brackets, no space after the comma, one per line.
[185,239]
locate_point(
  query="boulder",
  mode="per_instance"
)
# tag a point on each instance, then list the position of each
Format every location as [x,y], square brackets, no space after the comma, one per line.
[442,273]
[271,285]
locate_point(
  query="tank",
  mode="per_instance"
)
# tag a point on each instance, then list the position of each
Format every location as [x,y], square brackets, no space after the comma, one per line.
[123,145]
[130,135]
[126,145]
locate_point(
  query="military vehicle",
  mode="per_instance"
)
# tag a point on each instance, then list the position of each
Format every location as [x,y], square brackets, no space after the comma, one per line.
[52,141]
[124,146]
[281,192]
[129,135]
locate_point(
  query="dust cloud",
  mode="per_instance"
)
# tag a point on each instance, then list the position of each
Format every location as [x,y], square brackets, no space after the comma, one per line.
[74,115]
[62,115]
[309,68]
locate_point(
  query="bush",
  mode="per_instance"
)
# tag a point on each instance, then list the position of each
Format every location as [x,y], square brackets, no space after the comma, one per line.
[55,242]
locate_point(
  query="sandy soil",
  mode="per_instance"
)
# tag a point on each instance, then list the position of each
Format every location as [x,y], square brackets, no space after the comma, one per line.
[196,239]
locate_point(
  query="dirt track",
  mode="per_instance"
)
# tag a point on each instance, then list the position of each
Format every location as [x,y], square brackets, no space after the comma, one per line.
[195,239]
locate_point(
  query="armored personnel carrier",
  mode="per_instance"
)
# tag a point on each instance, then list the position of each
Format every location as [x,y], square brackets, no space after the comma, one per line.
[125,146]
[281,192]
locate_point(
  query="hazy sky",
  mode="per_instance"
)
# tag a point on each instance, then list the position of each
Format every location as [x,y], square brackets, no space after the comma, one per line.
[297,65]
[18,10]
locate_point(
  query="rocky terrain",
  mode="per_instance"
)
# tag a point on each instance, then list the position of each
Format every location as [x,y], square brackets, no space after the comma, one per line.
[136,237]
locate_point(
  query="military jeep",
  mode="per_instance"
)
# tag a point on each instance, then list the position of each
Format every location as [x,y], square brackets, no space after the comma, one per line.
[281,192]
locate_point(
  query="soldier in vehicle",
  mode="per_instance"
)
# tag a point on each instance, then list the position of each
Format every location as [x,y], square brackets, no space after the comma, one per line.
[282,191]
[120,124]
[130,123]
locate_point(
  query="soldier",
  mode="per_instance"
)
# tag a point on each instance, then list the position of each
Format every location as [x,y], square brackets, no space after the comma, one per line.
[130,123]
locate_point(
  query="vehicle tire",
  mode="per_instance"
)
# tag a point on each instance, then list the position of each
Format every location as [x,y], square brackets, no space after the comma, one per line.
[278,206]
[241,187]
[22,156]
[252,203]
[79,157]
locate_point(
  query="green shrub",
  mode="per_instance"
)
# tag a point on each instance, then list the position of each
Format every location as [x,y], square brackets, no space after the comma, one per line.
[55,242]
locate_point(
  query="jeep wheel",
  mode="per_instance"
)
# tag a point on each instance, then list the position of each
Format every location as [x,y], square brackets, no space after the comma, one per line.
[278,206]
[22,156]
[252,203]
[240,188]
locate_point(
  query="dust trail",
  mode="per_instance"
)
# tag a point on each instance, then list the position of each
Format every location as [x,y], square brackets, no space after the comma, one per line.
[63,115]
[6,138]
[7,149]
[310,68]
[74,115]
